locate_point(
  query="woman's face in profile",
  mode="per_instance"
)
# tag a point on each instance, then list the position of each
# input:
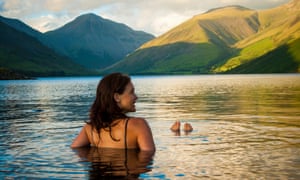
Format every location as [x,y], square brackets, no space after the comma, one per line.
[126,100]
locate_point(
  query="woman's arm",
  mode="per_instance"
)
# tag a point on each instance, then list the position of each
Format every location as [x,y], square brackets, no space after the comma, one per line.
[144,137]
[81,140]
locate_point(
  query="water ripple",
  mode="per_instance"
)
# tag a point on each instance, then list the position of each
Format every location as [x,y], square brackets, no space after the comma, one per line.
[245,127]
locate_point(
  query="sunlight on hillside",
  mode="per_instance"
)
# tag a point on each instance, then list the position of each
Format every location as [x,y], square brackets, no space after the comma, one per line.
[294,51]
[188,32]
[280,24]
[231,11]
[195,29]
[255,50]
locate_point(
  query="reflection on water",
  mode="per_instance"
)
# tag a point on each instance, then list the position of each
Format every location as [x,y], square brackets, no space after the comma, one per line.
[245,127]
[116,163]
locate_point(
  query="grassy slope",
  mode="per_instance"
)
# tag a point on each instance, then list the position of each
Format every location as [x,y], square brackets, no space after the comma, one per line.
[247,54]
[285,59]
[178,58]
[24,54]
[278,27]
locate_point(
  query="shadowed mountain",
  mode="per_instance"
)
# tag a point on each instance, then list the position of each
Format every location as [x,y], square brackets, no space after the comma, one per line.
[218,41]
[22,53]
[95,42]
[22,27]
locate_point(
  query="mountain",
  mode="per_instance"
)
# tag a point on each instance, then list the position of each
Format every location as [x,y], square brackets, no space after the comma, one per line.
[279,29]
[22,53]
[221,40]
[284,59]
[95,42]
[20,26]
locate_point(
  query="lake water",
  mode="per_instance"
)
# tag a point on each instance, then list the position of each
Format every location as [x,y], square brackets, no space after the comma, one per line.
[245,127]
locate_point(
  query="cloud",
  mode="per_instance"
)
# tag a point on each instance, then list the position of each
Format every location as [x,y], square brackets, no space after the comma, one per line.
[48,22]
[156,16]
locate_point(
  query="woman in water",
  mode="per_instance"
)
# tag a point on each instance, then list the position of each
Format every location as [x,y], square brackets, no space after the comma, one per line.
[109,126]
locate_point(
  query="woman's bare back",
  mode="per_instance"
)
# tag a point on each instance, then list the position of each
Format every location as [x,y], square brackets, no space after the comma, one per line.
[137,134]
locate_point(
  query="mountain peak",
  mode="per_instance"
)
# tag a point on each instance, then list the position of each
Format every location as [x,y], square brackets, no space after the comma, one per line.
[294,4]
[232,7]
[91,40]
[89,16]
[227,11]
[217,25]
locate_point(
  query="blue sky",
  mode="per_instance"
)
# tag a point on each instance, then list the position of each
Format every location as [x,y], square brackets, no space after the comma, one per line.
[155,16]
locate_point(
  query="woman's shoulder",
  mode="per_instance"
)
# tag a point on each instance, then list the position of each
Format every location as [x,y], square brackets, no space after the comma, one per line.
[136,120]
[143,135]
[87,127]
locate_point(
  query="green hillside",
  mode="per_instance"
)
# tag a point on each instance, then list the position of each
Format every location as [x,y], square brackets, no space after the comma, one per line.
[278,28]
[177,58]
[21,53]
[284,59]
[276,58]
[220,41]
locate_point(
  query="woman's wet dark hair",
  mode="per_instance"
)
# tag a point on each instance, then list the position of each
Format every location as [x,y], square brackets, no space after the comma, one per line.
[105,110]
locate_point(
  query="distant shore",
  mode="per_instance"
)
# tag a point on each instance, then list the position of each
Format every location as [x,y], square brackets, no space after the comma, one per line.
[6,74]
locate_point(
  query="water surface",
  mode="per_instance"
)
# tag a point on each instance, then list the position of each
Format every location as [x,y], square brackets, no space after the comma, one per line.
[245,127]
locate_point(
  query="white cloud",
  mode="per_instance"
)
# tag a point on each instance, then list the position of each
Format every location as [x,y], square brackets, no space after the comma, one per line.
[47,22]
[156,16]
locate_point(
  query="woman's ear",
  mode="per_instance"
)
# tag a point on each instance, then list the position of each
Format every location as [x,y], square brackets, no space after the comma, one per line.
[117,97]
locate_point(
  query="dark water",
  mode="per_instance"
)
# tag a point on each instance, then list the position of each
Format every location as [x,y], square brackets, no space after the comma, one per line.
[245,127]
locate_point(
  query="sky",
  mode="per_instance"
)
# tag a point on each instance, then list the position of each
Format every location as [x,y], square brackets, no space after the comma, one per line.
[152,16]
